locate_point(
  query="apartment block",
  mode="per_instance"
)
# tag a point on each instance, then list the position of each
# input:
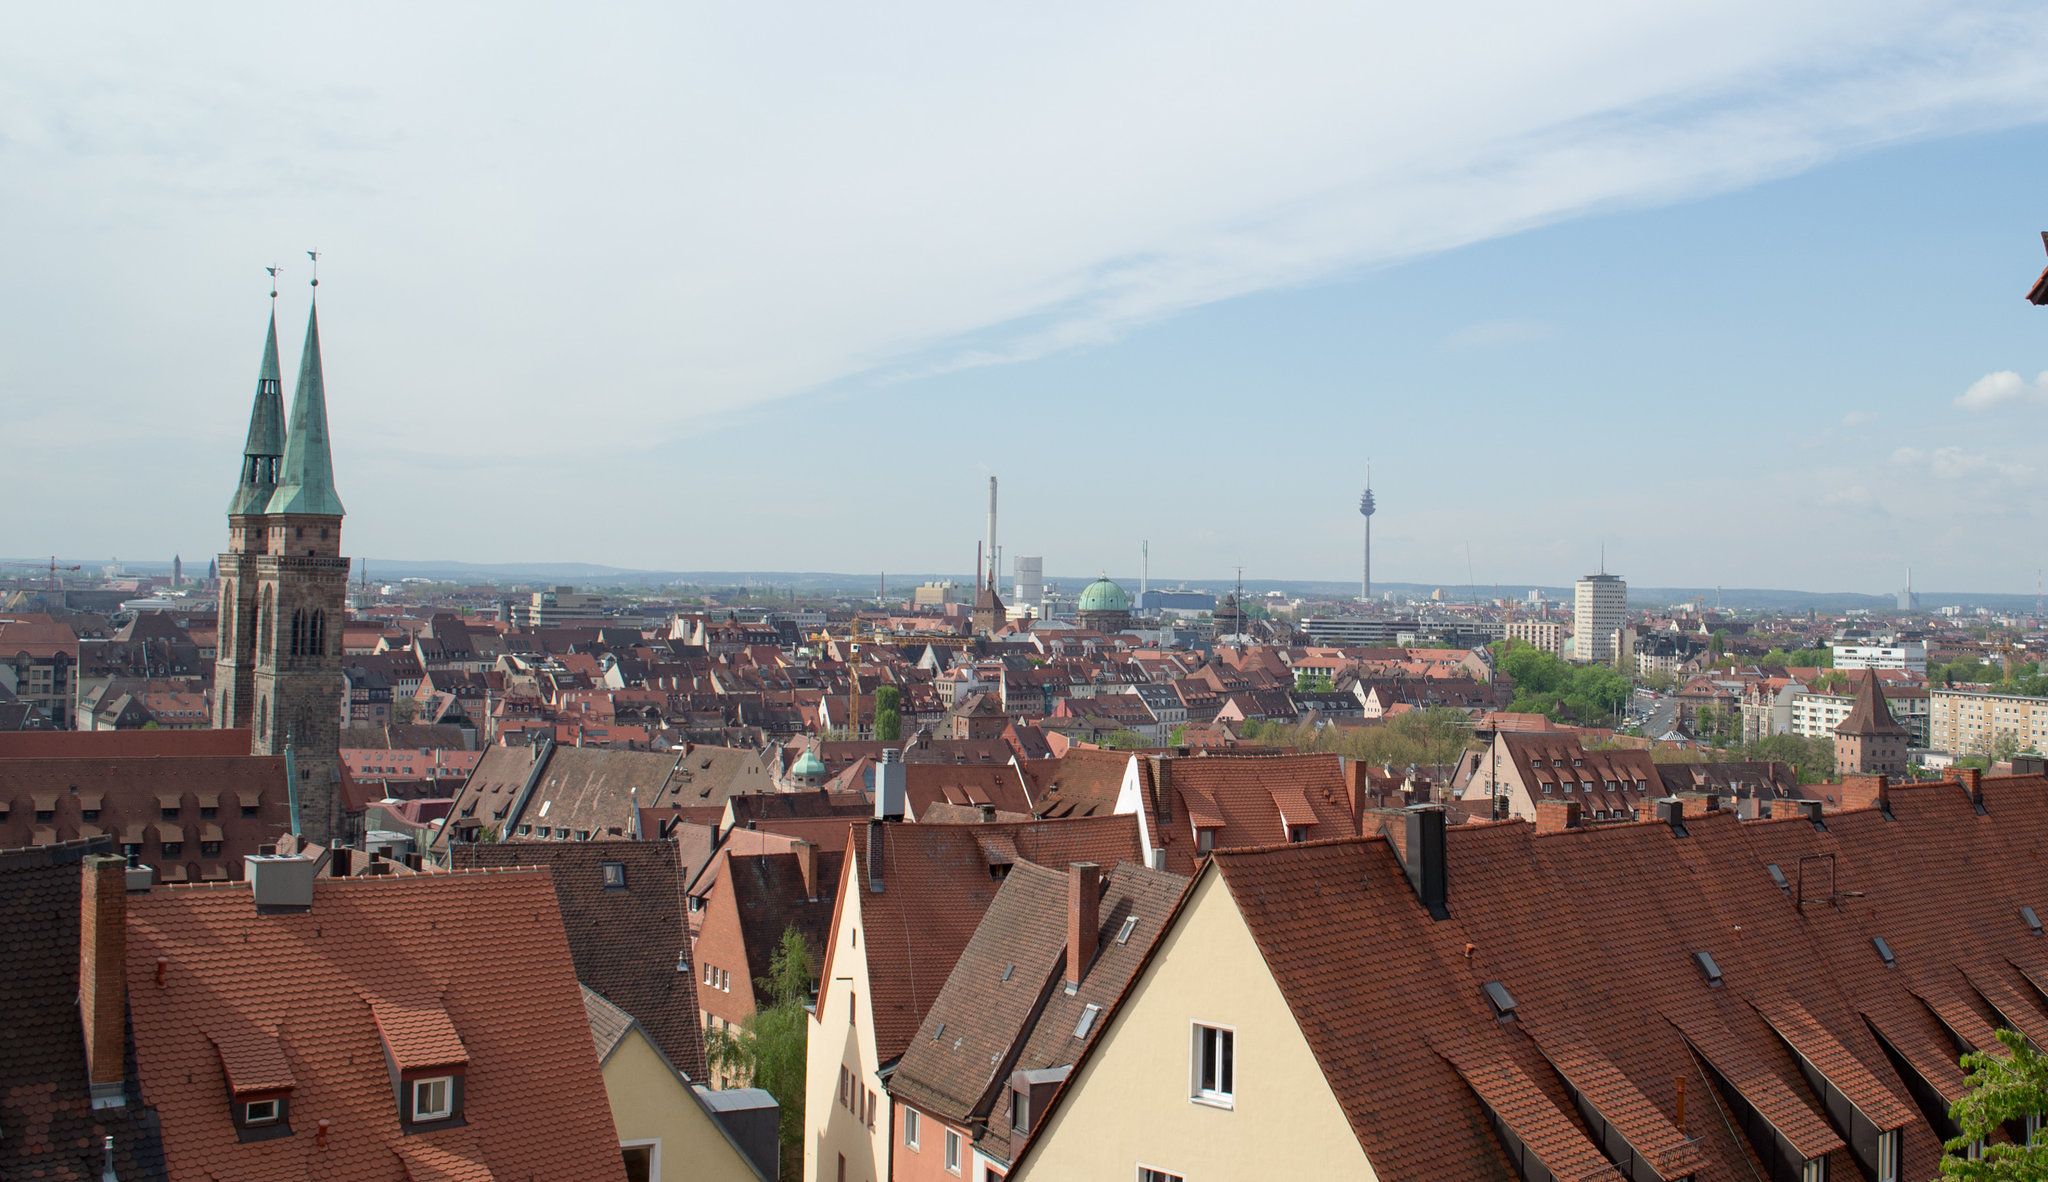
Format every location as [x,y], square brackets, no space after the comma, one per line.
[1969,722]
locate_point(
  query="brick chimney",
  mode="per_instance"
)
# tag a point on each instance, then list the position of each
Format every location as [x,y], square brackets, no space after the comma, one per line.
[103,975]
[1556,816]
[1084,917]
[1863,791]
[807,862]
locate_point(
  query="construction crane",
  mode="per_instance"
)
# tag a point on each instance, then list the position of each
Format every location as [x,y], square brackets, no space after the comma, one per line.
[51,566]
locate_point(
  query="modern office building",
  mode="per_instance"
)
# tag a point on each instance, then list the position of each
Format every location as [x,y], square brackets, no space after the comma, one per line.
[1600,607]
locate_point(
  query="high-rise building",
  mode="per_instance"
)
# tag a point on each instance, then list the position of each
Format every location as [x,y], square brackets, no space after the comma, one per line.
[283,581]
[1030,584]
[1599,609]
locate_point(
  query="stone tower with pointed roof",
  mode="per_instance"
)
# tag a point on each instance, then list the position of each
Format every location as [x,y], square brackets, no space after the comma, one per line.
[285,577]
[1870,741]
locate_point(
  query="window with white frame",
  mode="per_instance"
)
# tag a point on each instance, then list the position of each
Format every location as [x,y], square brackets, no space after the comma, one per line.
[1815,1171]
[1153,1174]
[1888,1156]
[259,1112]
[952,1151]
[433,1099]
[911,1120]
[1214,1067]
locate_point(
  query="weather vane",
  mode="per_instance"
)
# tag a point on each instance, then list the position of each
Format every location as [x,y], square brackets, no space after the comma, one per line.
[273,283]
[315,256]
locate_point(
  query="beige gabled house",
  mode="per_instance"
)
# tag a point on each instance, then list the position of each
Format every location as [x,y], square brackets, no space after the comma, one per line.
[667,1130]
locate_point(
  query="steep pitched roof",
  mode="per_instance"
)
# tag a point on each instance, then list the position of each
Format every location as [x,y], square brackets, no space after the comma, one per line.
[51,1128]
[305,481]
[266,432]
[1870,715]
[484,950]
[629,942]
[768,892]
[938,880]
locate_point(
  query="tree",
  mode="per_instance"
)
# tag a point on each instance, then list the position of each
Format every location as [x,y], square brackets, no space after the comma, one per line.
[768,1050]
[888,714]
[2003,1089]
[403,710]
[1313,683]
[1125,739]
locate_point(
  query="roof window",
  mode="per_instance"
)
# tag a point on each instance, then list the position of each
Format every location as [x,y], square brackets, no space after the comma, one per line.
[2032,921]
[1884,950]
[1500,999]
[1708,968]
[1089,1013]
[1123,936]
[1778,876]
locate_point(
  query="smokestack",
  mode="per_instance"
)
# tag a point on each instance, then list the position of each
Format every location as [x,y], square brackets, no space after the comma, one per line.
[992,561]
[1084,917]
[103,975]
[807,862]
[892,780]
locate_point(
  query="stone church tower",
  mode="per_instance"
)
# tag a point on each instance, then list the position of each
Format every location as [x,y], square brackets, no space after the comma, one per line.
[283,590]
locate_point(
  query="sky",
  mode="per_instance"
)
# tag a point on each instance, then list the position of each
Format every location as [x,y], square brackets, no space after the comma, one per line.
[1732,290]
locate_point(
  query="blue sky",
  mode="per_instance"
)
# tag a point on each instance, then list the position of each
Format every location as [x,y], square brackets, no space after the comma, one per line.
[712,288]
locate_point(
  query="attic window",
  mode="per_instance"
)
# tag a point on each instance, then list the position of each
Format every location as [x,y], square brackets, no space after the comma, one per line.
[614,875]
[1131,922]
[433,1099]
[1884,951]
[1500,999]
[1708,968]
[1778,876]
[2032,921]
[1009,971]
[939,1033]
[1087,1022]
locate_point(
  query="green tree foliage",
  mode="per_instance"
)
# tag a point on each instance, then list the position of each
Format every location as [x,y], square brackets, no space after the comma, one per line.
[888,714]
[769,1049]
[1437,735]
[1584,695]
[1813,759]
[1125,740]
[1799,658]
[2003,1088]
[1313,683]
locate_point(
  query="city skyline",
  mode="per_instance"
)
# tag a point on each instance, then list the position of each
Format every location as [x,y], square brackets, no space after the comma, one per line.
[1790,248]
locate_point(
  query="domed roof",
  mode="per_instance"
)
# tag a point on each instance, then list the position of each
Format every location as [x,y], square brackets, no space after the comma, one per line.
[808,764]
[1103,595]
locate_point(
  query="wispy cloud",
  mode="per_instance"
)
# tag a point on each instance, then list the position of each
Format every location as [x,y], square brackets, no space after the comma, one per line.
[1492,334]
[1859,418]
[1998,389]
[1960,463]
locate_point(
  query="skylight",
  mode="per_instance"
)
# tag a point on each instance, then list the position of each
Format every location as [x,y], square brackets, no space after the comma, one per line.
[2032,921]
[1712,971]
[1883,950]
[1500,999]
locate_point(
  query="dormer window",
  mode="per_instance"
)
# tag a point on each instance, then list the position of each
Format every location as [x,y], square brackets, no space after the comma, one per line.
[433,1099]
[261,1112]
[613,875]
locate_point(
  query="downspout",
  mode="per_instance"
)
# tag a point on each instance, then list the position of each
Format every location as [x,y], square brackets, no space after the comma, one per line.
[291,788]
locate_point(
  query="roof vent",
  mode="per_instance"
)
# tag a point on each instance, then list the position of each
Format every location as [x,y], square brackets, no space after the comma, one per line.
[2033,921]
[1712,971]
[1778,876]
[1500,999]
[281,883]
[1884,950]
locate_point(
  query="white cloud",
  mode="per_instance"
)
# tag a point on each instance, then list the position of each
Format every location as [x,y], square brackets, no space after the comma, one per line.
[1858,418]
[1960,463]
[1995,389]
[1854,496]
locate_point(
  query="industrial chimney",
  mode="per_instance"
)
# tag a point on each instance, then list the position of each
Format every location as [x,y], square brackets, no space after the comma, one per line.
[994,563]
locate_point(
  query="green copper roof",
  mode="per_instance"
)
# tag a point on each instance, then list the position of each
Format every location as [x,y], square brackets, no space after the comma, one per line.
[306,483]
[808,764]
[1103,595]
[266,434]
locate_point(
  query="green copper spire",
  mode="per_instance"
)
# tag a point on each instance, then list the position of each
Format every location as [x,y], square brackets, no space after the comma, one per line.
[266,434]
[306,483]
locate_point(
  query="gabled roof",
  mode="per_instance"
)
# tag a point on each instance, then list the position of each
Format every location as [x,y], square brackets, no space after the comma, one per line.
[768,893]
[938,880]
[629,943]
[50,1127]
[1870,715]
[485,950]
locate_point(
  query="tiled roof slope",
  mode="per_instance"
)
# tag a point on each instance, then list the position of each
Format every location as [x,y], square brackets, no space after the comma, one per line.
[1593,933]
[1082,783]
[768,892]
[131,796]
[1245,801]
[609,1024]
[937,884]
[121,744]
[48,1127]
[628,943]
[927,784]
[486,949]
[1870,715]
[994,1026]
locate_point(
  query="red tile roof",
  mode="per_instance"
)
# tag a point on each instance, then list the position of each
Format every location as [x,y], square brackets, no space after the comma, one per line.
[487,948]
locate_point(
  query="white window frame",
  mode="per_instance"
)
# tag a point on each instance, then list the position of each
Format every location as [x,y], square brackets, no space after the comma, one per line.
[912,1122]
[1155,1174]
[1225,1098]
[1888,1155]
[249,1116]
[953,1152]
[653,1147]
[447,1109]
[1815,1170]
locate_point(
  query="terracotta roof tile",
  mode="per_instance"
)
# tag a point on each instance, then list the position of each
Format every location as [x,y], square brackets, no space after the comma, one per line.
[418,1035]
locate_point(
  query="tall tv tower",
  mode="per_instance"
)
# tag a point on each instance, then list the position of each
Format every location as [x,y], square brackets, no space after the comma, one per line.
[1365,509]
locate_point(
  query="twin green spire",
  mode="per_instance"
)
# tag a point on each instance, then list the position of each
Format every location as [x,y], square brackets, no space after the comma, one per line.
[289,473]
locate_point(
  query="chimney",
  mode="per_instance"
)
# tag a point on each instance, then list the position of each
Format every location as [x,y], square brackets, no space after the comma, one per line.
[1671,811]
[807,862]
[1424,859]
[1972,780]
[103,975]
[1084,917]
[1556,816]
[892,780]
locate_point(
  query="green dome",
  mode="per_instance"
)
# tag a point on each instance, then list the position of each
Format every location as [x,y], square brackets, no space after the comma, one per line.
[1103,595]
[807,764]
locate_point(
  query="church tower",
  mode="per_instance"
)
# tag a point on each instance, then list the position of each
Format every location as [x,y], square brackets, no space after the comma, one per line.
[234,678]
[290,583]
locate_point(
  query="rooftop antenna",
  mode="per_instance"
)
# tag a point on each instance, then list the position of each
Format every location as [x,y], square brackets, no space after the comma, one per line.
[1603,558]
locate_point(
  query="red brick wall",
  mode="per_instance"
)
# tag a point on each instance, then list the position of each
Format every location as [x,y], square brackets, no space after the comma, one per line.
[103,965]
